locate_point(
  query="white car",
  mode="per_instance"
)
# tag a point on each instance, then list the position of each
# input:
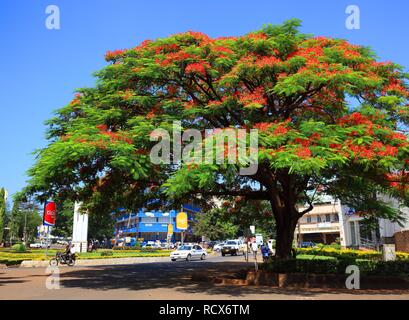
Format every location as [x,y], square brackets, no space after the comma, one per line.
[40,245]
[218,247]
[188,252]
[233,247]
[152,245]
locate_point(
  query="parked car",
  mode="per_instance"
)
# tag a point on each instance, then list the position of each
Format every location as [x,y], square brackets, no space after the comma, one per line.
[308,244]
[188,252]
[218,247]
[211,244]
[169,245]
[233,247]
[40,245]
[152,245]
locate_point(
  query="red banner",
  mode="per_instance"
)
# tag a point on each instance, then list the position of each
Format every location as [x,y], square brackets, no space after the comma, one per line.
[50,213]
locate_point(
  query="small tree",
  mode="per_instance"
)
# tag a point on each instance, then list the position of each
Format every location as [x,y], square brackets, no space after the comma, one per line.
[2,213]
[215,226]
[24,220]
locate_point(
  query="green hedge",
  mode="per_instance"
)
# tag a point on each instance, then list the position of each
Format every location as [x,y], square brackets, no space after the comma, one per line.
[341,254]
[338,266]
[348,253]
[398,267]
[301,266]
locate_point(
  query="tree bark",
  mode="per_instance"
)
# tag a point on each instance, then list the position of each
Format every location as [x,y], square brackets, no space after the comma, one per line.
[286,222]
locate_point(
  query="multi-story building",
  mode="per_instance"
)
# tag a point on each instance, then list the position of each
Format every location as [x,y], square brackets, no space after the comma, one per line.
[151,225]
[331,221]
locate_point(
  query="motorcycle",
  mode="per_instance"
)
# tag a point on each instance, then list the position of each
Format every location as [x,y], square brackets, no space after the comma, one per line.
[63,258]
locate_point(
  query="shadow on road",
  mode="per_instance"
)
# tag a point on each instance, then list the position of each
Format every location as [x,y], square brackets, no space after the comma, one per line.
[7,280]
[178,276]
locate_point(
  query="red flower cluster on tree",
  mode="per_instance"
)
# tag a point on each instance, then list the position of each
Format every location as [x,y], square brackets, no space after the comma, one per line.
[262,126]
[197,67]
[76,101]
[257,97]
[280,130]
[175,57]
[399,181]
[304,152]
[267,61]
[114,136]
[111,55]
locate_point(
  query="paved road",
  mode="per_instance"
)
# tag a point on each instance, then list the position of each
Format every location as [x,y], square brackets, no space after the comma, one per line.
[157,280]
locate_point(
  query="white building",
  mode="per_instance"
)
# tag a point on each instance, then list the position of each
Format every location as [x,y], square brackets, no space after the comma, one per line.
[330,222]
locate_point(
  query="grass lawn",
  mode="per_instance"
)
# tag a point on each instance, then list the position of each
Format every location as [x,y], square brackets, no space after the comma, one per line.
[13,258]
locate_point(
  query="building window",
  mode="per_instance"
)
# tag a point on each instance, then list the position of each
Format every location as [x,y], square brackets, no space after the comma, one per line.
[318,219]
[308,219]
[353,233]
[336,217]
[327,218]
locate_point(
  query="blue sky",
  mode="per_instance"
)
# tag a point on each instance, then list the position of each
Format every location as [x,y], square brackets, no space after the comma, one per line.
[41,68]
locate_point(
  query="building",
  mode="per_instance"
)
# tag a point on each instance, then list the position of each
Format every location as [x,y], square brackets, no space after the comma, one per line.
[394,233]
[330,221]
[152,225]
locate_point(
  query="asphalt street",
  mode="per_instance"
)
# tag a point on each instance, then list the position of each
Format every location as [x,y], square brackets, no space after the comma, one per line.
[158,280]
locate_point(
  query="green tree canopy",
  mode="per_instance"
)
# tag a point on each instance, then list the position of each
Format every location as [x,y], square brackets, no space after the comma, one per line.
[328,113]
[234,217]
[24,220]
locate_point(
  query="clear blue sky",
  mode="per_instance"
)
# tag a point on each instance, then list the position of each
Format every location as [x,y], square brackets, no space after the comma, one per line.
[41,68]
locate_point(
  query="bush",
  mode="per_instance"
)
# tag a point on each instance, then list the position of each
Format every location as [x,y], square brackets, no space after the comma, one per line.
[148,249]
[398,267]
[106,253]
[301,266]
[126,248]
[333,245]
[402,256]
[341,254]
[338,266]
[19,247]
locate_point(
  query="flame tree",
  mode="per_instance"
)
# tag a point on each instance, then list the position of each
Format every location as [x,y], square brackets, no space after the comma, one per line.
[330,118]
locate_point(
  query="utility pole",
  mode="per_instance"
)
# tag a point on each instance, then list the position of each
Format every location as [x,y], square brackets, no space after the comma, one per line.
[182,234]
[25,228]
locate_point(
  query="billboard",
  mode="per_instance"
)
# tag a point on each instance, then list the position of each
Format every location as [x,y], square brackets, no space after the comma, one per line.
[170,229]
[181,221]
[50,213]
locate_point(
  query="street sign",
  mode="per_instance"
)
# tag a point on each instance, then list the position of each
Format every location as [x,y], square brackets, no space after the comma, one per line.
[253,229]
[259,239]
[181,221]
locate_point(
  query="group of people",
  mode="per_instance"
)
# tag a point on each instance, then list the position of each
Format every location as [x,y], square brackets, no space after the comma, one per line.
[266,251]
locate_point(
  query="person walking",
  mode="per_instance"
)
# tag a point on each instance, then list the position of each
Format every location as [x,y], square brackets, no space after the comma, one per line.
[254,248]
[265,251]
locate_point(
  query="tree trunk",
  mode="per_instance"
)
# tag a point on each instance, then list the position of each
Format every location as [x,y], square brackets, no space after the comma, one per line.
[286,222]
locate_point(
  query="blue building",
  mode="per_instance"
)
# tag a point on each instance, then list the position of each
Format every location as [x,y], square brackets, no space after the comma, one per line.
[151,225]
